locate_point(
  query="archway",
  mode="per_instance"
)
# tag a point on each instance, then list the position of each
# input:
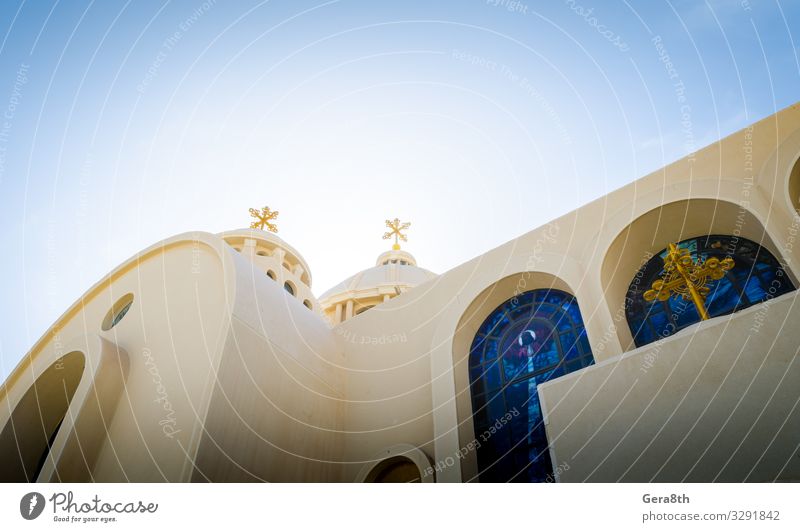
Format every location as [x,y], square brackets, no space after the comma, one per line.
[650,233]
[756,276]
[395,469]
[530,339]
[26,439]
[794,186]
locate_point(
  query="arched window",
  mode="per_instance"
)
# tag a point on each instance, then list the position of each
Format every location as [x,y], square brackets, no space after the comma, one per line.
[363,309]
[289,287]
[528,340]
[756,276]
[27,437]
[395,469]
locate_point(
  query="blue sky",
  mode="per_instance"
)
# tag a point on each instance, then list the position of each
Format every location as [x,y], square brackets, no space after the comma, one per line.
[124,123]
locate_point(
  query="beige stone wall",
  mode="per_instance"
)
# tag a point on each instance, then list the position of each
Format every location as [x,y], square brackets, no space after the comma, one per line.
[277,409]
[737,186]
[154,367]
[715,402]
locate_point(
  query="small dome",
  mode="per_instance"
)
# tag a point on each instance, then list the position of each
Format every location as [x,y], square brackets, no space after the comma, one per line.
[263,244]
[395,272]
[278,260]
[396,256]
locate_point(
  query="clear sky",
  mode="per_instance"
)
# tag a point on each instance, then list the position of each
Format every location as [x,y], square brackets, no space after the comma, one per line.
[124,123]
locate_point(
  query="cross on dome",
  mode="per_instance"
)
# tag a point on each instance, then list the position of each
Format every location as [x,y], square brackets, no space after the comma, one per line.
[396,231]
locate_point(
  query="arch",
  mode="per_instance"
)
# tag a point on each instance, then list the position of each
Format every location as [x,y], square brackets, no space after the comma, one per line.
[308,304]
[756,276]
[794,186]
[27,437]
[398,463]
[674,222]
[396,469]
[529,339]
[271,275]
[472,317]
[289,287]
[364,309]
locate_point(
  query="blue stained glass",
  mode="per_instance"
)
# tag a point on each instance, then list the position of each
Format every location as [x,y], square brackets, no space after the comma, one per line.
[491,349]
[518,396]
[572,365]
[477,348]
[494,325]
[495,408]
[756,276]
[514,366]
[567,340]
[574,313]
[476,375]
[533,409]
[564,323]
[551,374]
[531,354]
[548,354]
[723,296]
[583,341]
[573,353]
[659,319]
[518,312]
[525,298]
[684,313]
[753,289]
[544,311]
[555,297]
[491,376]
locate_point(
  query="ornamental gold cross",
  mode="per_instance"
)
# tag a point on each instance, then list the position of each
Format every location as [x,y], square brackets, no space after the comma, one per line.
[396,232]
[687,278]
[263,219]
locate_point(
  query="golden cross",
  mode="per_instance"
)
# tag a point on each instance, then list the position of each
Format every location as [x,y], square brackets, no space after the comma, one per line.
[263,219]
[396,232]
[687,278]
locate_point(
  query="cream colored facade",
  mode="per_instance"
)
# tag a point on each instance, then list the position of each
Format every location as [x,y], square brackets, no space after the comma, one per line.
[218,373]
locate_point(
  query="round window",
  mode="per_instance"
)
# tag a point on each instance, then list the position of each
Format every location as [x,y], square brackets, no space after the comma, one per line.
[117,311]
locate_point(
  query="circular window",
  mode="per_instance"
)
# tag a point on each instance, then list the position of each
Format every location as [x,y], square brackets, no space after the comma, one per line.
[288,287]
[117,312]
[271,274]
[307,303]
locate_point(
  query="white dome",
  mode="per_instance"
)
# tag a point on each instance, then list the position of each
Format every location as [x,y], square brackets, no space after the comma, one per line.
[404,277]
[395,272]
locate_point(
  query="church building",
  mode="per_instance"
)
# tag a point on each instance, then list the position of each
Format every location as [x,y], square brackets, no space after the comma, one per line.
[648,336]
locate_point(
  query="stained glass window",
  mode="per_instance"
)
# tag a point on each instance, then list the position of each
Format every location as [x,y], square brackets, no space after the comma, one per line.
[530,339]
[756,276]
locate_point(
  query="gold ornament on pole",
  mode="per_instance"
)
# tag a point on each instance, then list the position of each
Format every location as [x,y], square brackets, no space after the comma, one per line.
[396,232]
[263,219]
[687,278]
